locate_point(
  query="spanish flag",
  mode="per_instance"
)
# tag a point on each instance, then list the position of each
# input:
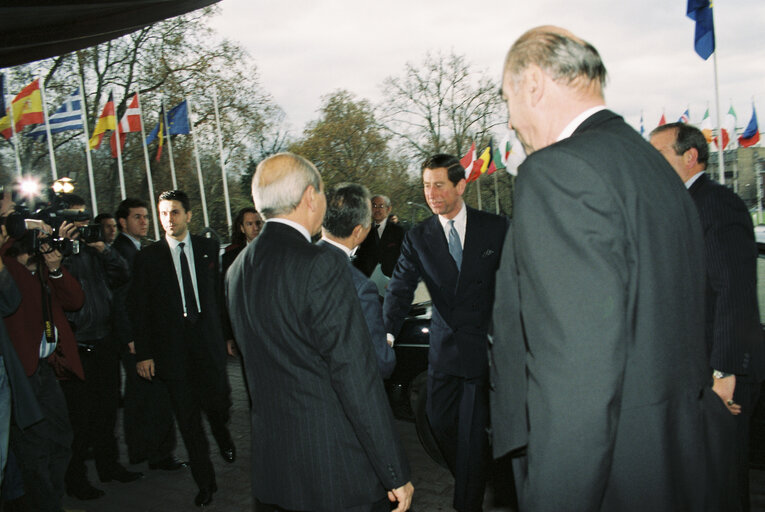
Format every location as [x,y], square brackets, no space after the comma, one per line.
[27,109]
[107,121]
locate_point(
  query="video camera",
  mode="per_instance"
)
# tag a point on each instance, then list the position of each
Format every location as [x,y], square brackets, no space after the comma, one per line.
[52,209]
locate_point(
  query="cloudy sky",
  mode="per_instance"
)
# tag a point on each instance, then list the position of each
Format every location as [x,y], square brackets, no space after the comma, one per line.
[305,49]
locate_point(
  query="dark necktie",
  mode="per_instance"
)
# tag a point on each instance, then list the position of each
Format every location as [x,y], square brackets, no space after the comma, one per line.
[192,312]
[376,229]
[455,247]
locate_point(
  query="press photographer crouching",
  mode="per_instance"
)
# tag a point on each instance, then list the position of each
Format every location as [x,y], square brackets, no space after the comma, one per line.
[46,347]
[93,403]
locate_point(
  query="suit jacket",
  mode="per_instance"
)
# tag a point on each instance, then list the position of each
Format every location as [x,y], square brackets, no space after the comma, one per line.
[369,299]
[230,254]
[733,331]
[384,250]
[122,328]
[156,308]
[462,301]
[607,251]
[25,325]
[323,436]
[26,409]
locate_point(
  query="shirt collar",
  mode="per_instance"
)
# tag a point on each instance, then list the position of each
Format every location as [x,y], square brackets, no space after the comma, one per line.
[578,120]
[173,243]
[340,246]
[693,179]
[133,239]
[383,224]
[291,223]
[459,220]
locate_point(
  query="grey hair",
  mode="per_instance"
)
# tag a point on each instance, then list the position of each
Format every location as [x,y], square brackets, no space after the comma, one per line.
[348,205]
[385,199]
[562,55]
[280,181]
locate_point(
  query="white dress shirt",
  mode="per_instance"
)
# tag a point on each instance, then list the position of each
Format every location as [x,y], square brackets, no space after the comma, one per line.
[188,251]
[460,224]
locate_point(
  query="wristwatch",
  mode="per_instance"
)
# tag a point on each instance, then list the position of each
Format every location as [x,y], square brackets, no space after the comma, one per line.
[717,374]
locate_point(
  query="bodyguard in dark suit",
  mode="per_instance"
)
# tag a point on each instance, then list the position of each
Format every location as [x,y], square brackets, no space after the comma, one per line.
[346,223]
[606,247]
[733,332]
[383,244]
[175,313]
[148,414]
[456,253]
[323,436]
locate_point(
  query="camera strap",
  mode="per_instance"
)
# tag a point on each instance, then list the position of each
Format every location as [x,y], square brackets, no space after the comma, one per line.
[47,315]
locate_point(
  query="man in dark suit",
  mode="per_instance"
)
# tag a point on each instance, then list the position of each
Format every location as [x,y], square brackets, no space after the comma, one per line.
[383,244]
[456,253]
[148,417]
[323,436]
[175,312]
[346,223]
[611,398]
[733,332]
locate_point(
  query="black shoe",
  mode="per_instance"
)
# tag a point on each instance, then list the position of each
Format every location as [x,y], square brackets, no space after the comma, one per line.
[169,464]
[204,496]
[228,453]
[84,491]
[119,473]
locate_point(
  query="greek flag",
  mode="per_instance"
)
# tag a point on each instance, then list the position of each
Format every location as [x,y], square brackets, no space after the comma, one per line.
[67,117]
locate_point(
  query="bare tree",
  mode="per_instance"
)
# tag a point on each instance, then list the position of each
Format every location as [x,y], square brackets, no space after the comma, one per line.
[440,105]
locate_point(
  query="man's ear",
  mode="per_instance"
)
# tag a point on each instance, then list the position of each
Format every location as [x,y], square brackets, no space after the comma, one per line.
[461,184]
[533,83]
[122,223]
[690,158]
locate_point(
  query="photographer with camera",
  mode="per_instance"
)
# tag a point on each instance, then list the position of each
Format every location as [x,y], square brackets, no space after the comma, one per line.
[46,348]
[93,403]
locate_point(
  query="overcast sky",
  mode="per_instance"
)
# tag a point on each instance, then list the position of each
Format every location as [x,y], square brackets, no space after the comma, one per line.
[305,49]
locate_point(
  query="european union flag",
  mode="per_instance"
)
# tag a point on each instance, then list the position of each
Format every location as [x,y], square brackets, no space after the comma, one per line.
[177,120]
[704,39]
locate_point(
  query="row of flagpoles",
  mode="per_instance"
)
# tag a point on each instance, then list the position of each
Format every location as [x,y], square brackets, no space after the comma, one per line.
[29,108]
[749,137]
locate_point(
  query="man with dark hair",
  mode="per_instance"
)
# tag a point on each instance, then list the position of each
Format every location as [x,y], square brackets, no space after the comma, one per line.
[174,305]
[108,226]
[456,253]
[247,225]
[346,223]
[599,368]
[323,435]
[383,245]
[733,332]
[148,418]
[93,403]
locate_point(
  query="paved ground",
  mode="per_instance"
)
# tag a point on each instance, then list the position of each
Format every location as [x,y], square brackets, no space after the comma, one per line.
[161,491]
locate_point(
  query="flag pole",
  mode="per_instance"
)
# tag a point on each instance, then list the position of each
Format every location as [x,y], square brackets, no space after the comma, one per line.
[119,153]
[222,161]
[148,172]
[51,154]
[85,134]
[478,192]
[166,129]
[720,149]
[199,167]
[496,193]
[15,141]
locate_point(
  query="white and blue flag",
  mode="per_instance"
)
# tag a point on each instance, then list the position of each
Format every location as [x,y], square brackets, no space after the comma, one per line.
[67,117]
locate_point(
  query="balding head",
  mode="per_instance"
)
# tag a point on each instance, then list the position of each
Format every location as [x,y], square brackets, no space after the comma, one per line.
[568,59]
[280,181]
[550,77]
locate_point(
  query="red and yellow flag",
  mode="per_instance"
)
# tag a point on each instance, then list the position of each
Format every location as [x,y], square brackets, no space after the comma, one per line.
[26,108]
[107,121]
